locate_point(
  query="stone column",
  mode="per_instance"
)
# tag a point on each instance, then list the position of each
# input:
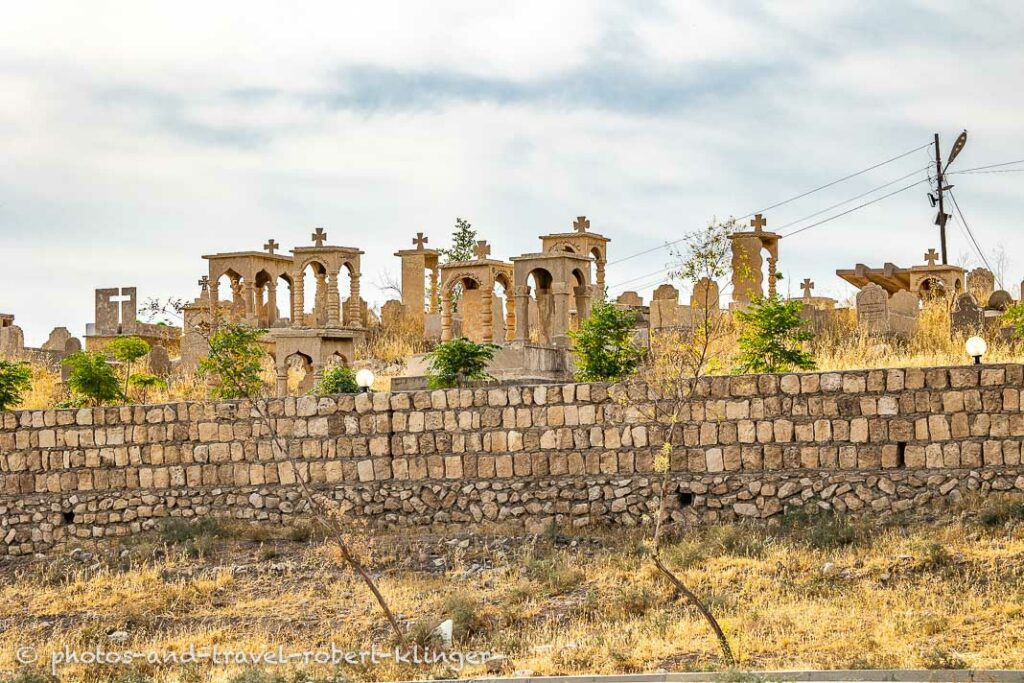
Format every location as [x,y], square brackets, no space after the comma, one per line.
[600,275]
[560,317]
[582,295]
[522,304]
[446,317]
[433,290]
[298,299]
[320,300]
[510,316]
[487,315]
[771,277]
[272,303]
[333,301]
[249,299]
[355,307]
[282,380]
[214,300]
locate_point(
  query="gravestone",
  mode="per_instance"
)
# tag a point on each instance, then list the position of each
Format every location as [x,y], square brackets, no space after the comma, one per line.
[631,299]
[159,361]
[981,283]
[391,312]
[873,309]
[115,308]
[705,293]
[665,307]
[57,340]
[12,341]
[967,316]
[903,311]
[999,300]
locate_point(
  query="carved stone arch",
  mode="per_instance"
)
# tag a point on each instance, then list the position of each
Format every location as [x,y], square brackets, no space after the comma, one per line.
[458,278]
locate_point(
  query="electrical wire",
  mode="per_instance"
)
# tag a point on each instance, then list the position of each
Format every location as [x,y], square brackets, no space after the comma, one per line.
[977,246]
[981,168]
[786,201]
[856,208]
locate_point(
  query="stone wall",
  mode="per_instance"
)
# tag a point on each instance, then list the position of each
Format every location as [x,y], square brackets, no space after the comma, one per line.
[876,441]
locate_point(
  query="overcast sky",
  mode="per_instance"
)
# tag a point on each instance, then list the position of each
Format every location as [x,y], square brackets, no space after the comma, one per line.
[138,136]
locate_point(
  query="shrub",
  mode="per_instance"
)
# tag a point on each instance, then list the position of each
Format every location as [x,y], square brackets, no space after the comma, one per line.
[604,346]
[146,383]
[453,362]
[337,380]
[15,380]
[235,362]
[772,335]
[1000,511]
[93,378]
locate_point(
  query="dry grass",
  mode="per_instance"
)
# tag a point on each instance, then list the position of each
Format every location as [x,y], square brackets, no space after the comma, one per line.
[805,594]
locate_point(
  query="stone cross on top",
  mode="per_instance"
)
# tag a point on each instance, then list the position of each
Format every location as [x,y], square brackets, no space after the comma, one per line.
[931,257]
[319,236]
[419,240]
[271,246]
[758,223]
[482,250]
[581,224]
[204,282]
[807,286]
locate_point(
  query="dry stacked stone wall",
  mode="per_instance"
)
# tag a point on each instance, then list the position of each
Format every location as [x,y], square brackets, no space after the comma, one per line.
[865,442]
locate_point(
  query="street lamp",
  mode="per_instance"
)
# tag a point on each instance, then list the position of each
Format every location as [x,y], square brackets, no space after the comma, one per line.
[364,379]
[976,348]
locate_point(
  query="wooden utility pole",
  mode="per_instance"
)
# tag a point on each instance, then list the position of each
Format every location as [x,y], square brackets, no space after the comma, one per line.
[940,220]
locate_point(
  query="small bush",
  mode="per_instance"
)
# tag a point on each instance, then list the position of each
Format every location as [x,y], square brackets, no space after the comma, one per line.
[337,380]
[235,362]
[92,378]
[467,615]
[15,380]
[772,337]
[453,362]
[1000,511]
[820,531]
[943,659]
[604,344]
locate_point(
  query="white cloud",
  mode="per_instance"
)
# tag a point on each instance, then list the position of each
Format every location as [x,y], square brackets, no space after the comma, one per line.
[139,136]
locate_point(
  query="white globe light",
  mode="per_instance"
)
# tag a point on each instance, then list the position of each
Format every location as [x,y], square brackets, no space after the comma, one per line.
[364,378]
[976,347]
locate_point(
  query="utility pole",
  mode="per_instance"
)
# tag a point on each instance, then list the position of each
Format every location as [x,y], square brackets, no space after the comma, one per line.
[940,220]
[940,176]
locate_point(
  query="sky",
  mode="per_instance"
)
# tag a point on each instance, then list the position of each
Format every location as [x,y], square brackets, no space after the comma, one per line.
[138,136]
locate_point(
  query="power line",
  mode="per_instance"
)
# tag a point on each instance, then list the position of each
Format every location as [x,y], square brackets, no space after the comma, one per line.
[859,206]
[852,199]
[1005,170]
[963,220]
[980,168]
[787,201]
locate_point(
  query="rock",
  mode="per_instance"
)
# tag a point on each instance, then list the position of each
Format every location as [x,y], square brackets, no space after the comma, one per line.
[118,636]
[497,663]
[444,631]
[827,568]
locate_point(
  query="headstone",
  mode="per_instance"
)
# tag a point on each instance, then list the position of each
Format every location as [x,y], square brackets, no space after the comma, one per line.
[873,309]
[705,293]
[629,299]
[981,283]
[967,315]
[72,345]
[999,300]
[391,312]
[159,361]
[114,309]
[904,308]
[666,292]
[665,307]
[57,340]
[12,341]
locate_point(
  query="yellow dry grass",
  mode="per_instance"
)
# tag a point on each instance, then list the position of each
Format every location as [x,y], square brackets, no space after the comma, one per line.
[810,593]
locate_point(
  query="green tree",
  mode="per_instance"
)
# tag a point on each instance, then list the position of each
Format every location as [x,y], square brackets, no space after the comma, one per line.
[772,337]
[604,344]
[1014,317]
[235,362]
[337,380]
[127,350]
[93,378]
[453,362]
[145,383]
[463,243]
[15,380]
